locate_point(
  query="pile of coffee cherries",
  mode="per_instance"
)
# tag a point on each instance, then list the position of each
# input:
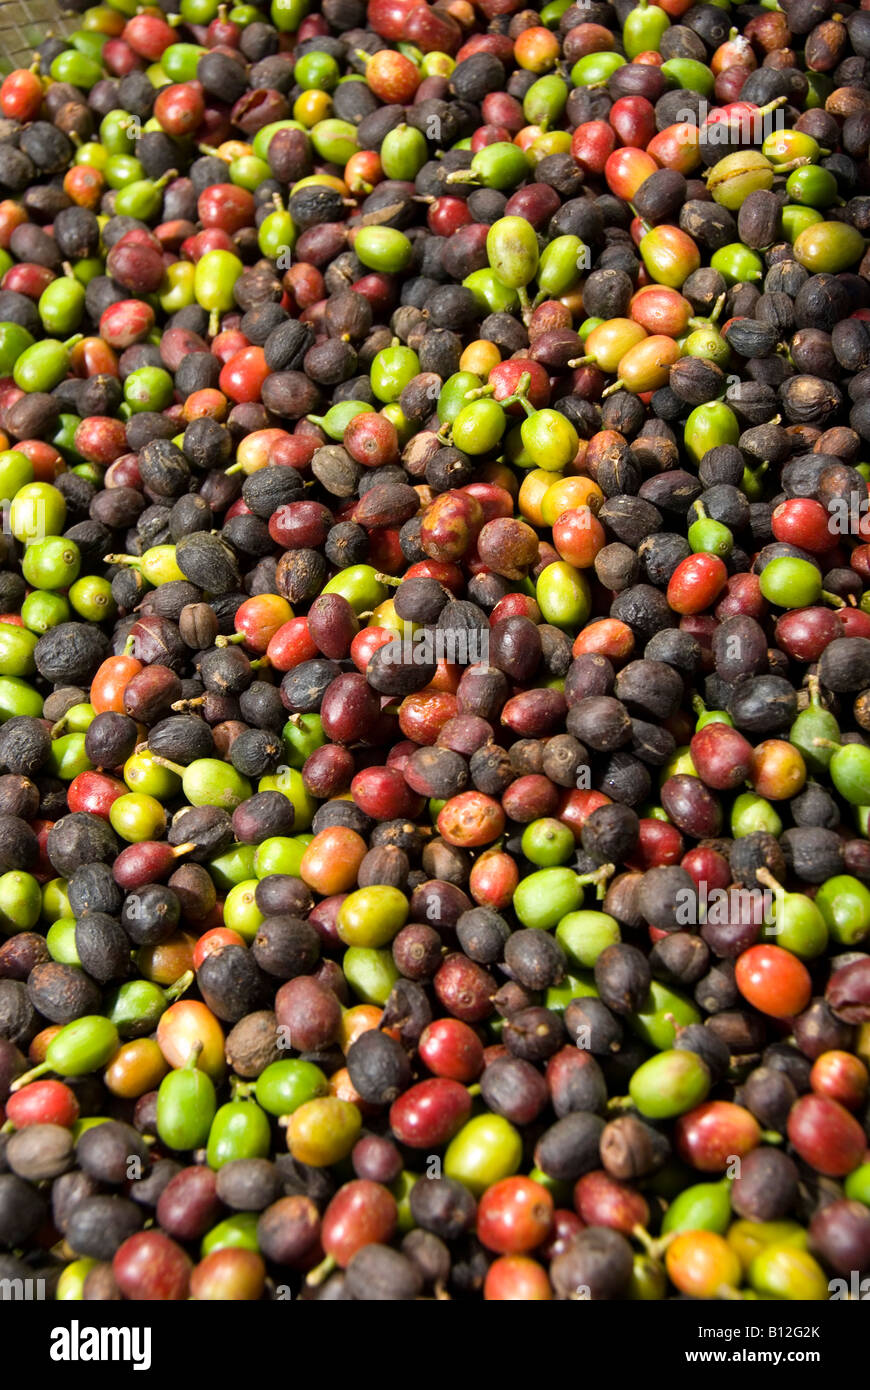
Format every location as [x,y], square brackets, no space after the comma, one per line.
[435,651]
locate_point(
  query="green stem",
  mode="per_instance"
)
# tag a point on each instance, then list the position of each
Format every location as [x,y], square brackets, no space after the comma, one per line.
[643,1237]
[29,1076]
[647,226]
[766,877]
[619,1103]
[599,877]
[792,163]
[520,395]
[165,762]
[321,1272]
[181,986]
[616,386]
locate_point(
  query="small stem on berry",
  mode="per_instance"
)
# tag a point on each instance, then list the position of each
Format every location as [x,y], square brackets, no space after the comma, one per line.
[321,1271]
